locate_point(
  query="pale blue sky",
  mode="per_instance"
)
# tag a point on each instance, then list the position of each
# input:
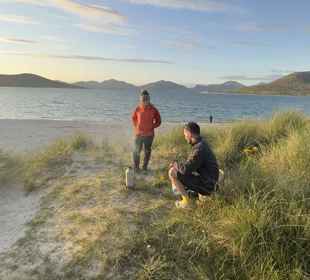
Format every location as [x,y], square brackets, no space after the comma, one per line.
[187,41]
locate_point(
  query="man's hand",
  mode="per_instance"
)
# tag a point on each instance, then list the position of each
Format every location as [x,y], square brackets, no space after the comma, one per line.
[173,165]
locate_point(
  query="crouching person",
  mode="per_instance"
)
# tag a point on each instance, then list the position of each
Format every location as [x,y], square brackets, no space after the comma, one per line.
[199,173]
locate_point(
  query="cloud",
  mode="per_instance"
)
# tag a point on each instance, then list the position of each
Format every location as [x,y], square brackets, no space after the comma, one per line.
[249,27]
[183,44]
[251,44]
[276,74]
[32,2]
[100,58]
[17,19]
[94,18]
[282,71]
[196,5]
[109,29]
[93,12]
[266,78]
[88,11]
[89,58]
[16,41]
[255,27]
[186,44]
[53,39]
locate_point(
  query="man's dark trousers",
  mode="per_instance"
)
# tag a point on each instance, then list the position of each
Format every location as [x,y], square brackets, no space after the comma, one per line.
[146,143]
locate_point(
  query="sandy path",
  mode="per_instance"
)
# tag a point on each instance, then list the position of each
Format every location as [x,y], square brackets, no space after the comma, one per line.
[16,209]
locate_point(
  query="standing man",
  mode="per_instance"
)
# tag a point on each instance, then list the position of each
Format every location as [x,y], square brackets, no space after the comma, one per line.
[199,173]
[145,119]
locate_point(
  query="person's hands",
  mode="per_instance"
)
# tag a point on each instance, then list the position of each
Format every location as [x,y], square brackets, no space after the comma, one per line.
[173,165]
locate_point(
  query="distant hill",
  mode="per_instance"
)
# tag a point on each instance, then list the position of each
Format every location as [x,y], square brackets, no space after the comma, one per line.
[164,86]
[294,84]
[225,87]
[108,84]
[31,80]
[88,84]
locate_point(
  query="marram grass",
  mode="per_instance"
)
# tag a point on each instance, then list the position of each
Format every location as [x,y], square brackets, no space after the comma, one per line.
[256,227]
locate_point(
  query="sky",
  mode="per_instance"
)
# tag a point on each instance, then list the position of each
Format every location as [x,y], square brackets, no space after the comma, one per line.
[140,41]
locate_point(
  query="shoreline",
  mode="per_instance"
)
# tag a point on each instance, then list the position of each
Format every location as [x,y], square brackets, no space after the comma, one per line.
[29,135]
[116,122]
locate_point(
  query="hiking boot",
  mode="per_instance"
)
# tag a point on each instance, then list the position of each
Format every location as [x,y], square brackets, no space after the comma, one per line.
[180,204]
[144,171]
[192,195]
[183,204]
[137,170]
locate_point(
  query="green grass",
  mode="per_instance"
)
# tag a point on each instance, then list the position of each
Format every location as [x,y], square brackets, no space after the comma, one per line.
[256,227]
[41,167]
[10,167]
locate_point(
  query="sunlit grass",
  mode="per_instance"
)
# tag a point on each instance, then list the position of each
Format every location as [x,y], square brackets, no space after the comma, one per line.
[10,167]
[256,227]
[50,163]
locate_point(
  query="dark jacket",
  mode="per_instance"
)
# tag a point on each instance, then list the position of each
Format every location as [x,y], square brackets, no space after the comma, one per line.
[203,161]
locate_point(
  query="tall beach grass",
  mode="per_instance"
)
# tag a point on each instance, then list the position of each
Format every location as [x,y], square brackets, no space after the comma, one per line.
[257,226]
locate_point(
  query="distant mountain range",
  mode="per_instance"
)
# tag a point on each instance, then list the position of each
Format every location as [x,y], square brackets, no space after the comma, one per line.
[108,84]
[31,80]
[120,85]
[164,85]
[225,87]
[294,84]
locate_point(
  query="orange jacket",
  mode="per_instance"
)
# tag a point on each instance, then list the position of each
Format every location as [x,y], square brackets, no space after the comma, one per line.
[145,120]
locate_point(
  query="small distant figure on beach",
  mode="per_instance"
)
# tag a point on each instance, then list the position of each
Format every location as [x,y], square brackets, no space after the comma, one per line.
[211,119]
[145,119]
[199,174]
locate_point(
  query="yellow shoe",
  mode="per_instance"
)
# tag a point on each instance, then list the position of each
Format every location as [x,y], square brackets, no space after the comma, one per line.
[182,204]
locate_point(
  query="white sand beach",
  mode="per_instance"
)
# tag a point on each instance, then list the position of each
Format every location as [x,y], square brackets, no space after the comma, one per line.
[29,135]
[16,209]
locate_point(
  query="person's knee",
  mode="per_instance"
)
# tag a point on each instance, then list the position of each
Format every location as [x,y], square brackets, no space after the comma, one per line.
[137,149]
[172,173]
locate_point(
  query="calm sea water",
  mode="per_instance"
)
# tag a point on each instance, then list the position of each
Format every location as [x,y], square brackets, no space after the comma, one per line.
[104,105]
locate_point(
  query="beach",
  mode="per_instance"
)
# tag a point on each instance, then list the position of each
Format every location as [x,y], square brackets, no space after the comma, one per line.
[31,135]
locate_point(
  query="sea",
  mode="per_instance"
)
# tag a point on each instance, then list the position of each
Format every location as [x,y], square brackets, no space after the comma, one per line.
[115,106]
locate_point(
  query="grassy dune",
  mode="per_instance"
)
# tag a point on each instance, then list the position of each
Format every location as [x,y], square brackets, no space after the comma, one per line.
[10,166]
[256,227]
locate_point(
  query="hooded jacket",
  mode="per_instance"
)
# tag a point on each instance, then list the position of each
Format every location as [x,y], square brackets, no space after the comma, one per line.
[145,119]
